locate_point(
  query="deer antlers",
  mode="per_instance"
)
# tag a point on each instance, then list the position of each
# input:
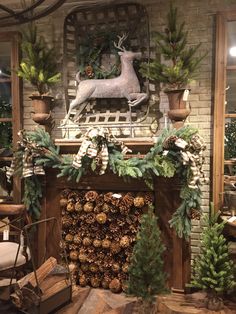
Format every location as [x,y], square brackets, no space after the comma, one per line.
[120,42]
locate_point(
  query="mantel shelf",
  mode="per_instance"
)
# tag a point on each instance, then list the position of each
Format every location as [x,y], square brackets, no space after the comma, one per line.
[137,145]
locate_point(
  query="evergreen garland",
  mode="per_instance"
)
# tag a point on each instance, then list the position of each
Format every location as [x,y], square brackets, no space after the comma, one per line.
[165,158]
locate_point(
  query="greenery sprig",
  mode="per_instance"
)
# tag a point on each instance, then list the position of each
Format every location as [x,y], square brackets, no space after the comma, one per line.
[173,154]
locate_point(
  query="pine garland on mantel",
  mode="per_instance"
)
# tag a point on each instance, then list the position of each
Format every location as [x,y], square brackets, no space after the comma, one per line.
[176,152]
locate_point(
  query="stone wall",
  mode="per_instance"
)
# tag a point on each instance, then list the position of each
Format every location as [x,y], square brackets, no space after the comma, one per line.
[200,22]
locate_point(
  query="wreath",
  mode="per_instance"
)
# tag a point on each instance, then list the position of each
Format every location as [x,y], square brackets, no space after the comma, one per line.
[176,152]
[90,50]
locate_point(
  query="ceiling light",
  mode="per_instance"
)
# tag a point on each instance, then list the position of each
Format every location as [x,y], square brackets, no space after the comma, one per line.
[232,51]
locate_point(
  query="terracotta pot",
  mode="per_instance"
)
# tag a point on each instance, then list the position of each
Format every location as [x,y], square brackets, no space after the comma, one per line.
[42,118]
[178,112]
[42,108]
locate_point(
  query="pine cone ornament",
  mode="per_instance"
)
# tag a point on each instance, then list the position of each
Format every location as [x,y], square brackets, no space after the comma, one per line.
[69,237]
[127,200]
[124,241]
[113,227]
[70,207]
[91,196]
[115,285]
[101,218]
[115,247]
[87,241]
[97,209]
[88,207]
[74,255]
[106,244]
[169,142]
[78,207]
[73,194]
[139,201]
[97,243]
[63,202]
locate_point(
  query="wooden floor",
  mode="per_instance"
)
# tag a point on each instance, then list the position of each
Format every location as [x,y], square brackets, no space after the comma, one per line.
[98,301]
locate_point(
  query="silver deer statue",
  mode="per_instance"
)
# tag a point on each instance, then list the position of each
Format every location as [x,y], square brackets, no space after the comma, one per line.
[126,85]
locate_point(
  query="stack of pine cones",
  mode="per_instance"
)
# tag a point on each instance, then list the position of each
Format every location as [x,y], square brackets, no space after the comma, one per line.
[99,231]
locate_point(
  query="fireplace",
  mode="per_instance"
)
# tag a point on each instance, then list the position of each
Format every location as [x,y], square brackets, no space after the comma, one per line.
[165,200]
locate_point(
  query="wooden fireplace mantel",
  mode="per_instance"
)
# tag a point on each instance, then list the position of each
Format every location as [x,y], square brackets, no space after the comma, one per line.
[167,200]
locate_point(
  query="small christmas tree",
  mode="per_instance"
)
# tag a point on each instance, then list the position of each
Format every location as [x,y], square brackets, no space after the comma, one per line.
[180,62]
[213,269]
[39,65]
[146,275]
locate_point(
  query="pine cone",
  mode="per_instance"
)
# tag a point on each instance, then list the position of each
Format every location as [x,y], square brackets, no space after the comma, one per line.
[78,207]
[82,280]
[63,202]
[125,267]
[90,219]
[115,267]
[65,193]
[73,195]
[88,207]
[124,210]
[105,283]
[149,198]
[97,243]
[93,268]
[70,207]
[74,255]
[97,209]
[115,247]
[66,221]
[77,239]
[124,241]
[106,208]
[115,285]
[95,281]
[106,243]
[139,201]
[100,200]
[169,142]
[195,214]
[87,241]
[69,238]
[113,227]
[109,198]
[101,218]
[91,196]
[127,200]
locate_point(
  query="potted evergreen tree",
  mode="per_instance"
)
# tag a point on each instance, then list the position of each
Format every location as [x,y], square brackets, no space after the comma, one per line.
[214,270]
[178,67]
[39,67]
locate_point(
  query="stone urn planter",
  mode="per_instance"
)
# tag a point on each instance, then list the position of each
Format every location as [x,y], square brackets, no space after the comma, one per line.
[42,109]
[177,105]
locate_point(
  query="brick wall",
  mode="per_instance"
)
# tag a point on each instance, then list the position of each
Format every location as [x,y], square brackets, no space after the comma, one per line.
[200,22]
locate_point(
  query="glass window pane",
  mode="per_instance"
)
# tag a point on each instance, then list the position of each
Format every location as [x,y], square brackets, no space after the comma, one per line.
[230,103]
[6,135]
[5,80]
[231,47]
